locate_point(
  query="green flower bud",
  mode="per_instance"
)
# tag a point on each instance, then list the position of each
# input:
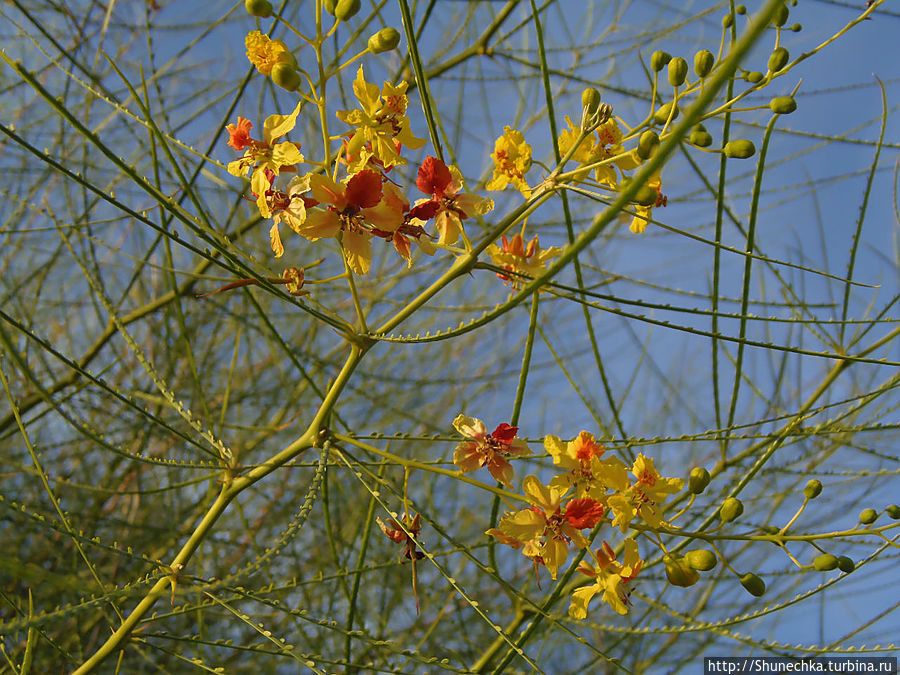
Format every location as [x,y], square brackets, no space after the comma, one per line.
[663,113]
[647,144]
[678,573]
[646,196]
[813,488]
[345,9]
[770,529]
[701,559]
[329,6]
[698,480]
[868,516]
[260,8]
[677,71]
[893,511]
[754,77]
[590,100]
[286,77]
[754,585]
[796,28]
[727,21]
[781,16]
[739,149]
[825,562]
[731,509]
[845,564]
[384,40]
[778,59]
[741,9]
[659,60]
[704,62]
[700,137]
[783,105]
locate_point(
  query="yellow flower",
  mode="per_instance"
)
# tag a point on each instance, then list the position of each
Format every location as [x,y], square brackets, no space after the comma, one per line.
[449,205]
[609,578]
[288,207]
[512,158]
[266,154]
[545,530]
[645,496]
[347,211]
[584,470]
[491,450]
[608,145]
[642,214]
[381,125]
[515,257]
[264,53]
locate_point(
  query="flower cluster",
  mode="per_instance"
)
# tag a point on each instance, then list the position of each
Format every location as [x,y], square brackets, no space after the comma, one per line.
[600,151]
[589,490]
[366,203]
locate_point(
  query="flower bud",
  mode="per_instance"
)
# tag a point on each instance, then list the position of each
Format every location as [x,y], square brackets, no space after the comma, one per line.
[701,559]
[796,28]
[754,585]
[260,8]
[727,21]
[704,62]
[783,105]
[739,149]
[659,60]
[813,488]
[345,9]
[678,573]
[731,509]
[700,137]
[754,77]
[286,77]
[647,144]
[646,196]
[590,100]
[663,113]
[778,59]
[825,562]
[741,9]
[698,480]
[893,511]
[384,40]
[868,516]
[294,278]
[329,6]
[845,564]
[677,71]
[781,16]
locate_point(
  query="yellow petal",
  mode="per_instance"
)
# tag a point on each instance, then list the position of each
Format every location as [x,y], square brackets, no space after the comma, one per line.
[470,427]
[366,94]
[580,599]
[277,126]
[523,525]
[357,251]
[540,495]
[275,238]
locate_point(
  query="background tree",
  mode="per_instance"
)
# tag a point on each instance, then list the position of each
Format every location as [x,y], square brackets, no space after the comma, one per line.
[196,483]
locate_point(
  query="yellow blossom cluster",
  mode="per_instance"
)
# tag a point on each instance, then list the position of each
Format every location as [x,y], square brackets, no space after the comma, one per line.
[601,152]
[590,490]
[364,204]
